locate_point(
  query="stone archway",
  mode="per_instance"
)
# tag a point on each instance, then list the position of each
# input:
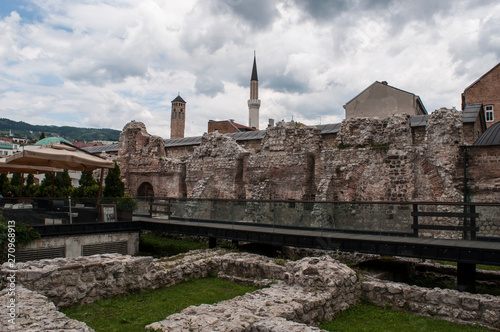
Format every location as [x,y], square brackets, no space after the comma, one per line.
[145,190]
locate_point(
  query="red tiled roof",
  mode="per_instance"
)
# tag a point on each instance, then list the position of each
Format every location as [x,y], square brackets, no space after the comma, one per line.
[240,126]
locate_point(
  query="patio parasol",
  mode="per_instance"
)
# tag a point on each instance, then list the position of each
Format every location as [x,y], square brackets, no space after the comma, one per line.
[55,157]
[58,156]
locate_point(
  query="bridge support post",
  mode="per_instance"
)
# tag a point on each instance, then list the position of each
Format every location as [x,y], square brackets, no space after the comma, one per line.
[212,242]
[466,277]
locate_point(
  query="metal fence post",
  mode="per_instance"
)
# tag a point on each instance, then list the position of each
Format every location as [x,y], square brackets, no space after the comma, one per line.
[415,220]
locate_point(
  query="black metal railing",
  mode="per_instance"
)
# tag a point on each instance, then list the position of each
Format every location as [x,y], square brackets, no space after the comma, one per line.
[455,220]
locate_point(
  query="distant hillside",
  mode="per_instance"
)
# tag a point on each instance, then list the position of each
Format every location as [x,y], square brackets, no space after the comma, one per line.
[23,129]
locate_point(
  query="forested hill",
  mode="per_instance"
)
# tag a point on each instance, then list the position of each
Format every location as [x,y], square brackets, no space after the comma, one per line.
[23,129]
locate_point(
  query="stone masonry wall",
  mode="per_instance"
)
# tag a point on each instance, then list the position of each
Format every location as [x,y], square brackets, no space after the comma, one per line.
[215,169]
[314,289]
[299,293]
[446,304]
[484,185]
[142,158]
[36,313]
[284,167]
[369,159]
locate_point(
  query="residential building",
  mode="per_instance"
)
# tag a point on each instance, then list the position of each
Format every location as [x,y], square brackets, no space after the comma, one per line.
[227,127]
[382,100]
[485,90]
[8,148]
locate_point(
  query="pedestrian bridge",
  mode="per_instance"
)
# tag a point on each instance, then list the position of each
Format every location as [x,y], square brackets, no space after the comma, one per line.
[467,233]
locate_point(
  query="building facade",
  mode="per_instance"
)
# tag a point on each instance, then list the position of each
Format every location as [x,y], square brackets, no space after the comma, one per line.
[382,100]
[485,90]
[227,127]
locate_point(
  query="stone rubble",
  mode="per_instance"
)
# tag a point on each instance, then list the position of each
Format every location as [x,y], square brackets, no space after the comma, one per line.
[314,289]
[297,294]
[36,313]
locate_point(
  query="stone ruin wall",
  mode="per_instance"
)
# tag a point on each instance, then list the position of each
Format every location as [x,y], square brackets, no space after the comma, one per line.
[142,159]
[296,294]
[483,173]
[367,160]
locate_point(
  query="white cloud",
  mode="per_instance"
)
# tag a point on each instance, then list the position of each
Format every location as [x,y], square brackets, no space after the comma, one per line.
[105,63]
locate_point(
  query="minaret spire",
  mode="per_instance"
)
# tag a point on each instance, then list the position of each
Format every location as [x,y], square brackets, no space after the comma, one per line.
[254,69]
[254,102]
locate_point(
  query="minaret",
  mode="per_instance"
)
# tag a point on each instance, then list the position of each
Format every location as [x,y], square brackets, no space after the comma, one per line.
[254,102]
[178,118]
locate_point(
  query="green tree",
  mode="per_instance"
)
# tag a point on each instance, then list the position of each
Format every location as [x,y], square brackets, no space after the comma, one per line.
[30,180]
[42,135]
[87,179]
[114,186]
[16,180]
[15,184]
[63,184]
[45,188]
[31,188]
[24,235]
[88,186]
[4,184]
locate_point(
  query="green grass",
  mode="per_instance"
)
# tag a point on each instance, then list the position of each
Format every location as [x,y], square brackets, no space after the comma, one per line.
[479,266]
[431,282]
[158,246]
[367,317]
[129,313]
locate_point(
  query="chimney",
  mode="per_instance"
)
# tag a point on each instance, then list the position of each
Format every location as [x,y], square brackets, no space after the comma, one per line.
[271,123]
[384,82]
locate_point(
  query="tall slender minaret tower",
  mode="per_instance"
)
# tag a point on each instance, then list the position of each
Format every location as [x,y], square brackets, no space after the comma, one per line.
[254,102]
[178,118]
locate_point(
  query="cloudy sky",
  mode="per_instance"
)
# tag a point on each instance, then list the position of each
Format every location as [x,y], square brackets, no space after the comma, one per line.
[101,64]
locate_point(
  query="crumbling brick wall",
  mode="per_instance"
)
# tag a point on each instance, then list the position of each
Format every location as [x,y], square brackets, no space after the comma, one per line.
[369,159]
[142,159]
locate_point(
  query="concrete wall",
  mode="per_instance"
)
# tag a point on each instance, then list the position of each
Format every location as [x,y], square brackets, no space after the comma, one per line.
[74,245]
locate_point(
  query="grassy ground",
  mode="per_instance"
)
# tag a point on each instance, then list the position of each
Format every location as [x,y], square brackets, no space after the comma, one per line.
[367,317]
[132,312]
[479,266]
[158,246]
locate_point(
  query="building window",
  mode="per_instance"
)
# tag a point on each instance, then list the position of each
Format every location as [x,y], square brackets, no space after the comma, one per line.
[489,113]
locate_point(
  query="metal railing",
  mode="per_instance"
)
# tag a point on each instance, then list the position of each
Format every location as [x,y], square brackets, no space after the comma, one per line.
[68,210]
[416,219]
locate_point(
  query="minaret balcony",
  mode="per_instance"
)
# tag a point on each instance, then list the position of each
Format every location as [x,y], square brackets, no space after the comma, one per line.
[254,102]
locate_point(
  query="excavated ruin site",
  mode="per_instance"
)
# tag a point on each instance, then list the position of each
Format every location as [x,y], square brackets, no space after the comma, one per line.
[294,296]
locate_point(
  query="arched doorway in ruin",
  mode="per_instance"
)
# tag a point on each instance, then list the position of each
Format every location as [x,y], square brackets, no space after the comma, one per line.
[145,190]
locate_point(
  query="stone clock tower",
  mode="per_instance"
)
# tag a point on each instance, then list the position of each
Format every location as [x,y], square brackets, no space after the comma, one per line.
[254,101]
[178,118]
